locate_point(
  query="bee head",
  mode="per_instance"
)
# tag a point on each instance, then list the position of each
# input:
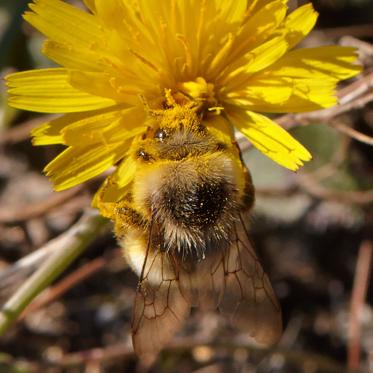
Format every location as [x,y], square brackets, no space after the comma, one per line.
[176,135]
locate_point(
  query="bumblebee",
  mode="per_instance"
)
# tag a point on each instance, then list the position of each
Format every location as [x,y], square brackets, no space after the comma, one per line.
[184,231]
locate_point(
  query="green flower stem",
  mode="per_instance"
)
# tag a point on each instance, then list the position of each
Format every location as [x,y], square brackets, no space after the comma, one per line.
[68,247]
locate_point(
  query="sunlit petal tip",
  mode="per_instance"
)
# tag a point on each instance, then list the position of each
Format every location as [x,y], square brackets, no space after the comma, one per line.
[271,139]
[299,24]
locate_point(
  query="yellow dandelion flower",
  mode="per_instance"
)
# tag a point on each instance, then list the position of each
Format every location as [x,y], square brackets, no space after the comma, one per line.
[235,57]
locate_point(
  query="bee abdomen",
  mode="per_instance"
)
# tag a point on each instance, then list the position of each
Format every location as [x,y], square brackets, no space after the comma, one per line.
[201,205]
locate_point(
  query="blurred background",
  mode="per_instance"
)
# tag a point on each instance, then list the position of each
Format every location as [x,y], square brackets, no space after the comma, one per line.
[313,231]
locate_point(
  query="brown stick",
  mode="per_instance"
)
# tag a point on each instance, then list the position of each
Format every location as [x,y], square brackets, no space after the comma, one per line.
[37,209]
[22,131]
[124,351]
[55,292]
[341,127]
[359,292]
[357,31]
[311,186]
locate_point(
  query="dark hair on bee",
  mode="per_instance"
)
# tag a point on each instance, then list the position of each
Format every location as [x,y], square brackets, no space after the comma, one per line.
[220,146]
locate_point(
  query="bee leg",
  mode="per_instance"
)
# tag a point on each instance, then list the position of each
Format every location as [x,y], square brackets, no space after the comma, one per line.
[248,197]
[127,217]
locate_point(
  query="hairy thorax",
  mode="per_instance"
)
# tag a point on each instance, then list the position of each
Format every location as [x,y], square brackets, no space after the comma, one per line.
[190,201]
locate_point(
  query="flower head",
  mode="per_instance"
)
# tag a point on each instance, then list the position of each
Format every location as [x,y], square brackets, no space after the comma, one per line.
[233,57]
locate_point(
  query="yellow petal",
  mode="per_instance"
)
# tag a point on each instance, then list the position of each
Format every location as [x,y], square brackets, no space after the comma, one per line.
[79,163]
[220,58]
[112,12]
[255,6]
[64,23]
[302,80]
[71,57]
[132,123]
[256,60]
[271,139]
[125,173]
[330,63]
[265,55]
[99,83]
[258,28]
[50,132]
[48,91]
[105,127]
[115,187]
[266,22]
[232,11]
[299,24]
[283,95]
[220,128]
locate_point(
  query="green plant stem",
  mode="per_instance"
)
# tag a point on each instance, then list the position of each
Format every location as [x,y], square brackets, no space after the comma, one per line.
[68,247]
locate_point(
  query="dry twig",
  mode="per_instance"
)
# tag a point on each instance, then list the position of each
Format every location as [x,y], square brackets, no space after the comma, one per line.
[124,351]
[51,294]
[358,31]
[359,291]
[311,186]
[352,132]
[22,131]
[39,208]
[66,248]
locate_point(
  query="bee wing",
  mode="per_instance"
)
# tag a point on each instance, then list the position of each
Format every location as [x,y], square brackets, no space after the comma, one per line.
[231,279]
[203,284]
[160,309]
[249,300]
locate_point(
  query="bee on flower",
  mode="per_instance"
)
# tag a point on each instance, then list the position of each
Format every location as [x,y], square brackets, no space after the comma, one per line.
[154,90]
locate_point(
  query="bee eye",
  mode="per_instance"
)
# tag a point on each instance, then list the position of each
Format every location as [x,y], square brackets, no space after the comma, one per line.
[144,155]
[160,134]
